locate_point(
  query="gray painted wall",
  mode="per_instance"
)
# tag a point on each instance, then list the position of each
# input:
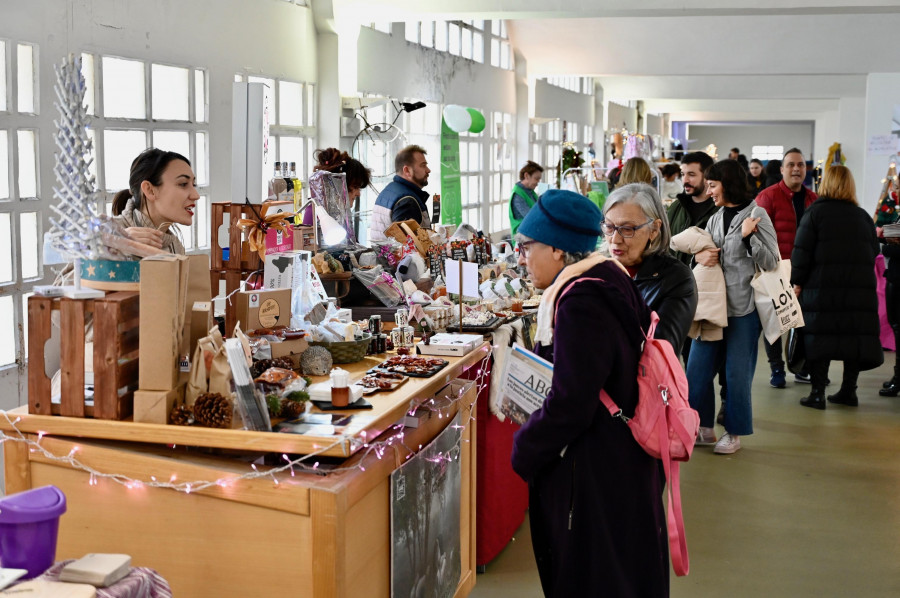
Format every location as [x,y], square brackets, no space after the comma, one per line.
[746,136]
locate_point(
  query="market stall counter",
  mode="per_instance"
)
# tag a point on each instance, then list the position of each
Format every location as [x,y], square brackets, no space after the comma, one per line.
[218,521]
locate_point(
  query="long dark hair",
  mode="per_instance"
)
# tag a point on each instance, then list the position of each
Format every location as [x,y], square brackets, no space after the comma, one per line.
[334,160]
[148,166]
[733,178]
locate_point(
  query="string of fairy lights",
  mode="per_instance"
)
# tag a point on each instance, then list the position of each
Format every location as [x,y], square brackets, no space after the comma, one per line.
[310,463]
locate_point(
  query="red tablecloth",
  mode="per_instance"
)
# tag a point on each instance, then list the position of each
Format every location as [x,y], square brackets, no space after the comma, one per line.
[502,496]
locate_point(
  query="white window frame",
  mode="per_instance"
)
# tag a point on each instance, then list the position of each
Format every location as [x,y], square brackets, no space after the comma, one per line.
[767,152]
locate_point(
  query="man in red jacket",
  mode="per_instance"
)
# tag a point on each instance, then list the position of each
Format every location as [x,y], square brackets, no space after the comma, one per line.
[785,203]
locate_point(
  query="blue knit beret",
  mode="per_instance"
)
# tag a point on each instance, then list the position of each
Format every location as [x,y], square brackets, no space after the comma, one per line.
[565,220]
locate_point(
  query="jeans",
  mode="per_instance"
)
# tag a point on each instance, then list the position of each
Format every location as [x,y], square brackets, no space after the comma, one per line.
[737,350]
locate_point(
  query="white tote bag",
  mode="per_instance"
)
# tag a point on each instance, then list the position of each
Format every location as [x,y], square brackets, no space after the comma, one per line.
[778,307]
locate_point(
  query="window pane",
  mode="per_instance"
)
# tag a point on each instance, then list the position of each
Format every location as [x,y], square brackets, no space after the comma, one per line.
[453,34]
[427,34]
[201,160]
[5,248]
[412,32]
[290,149]
[478,24]
[87,71]
[170,98]
[28,243]
[475,156]
[440,36]
[25,297]
[120,150]
[173,141]
[201,217]
[92,169]
[27,164]
[290,103]
[7,331]
[4,165]
[25,78]
[495,27]
[2,76]
[124,94]
[478,47]
[495,52]
[504,55]
[466,43]
[200,96]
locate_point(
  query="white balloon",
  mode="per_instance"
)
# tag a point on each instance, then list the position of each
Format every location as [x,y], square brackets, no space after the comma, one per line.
[457,118]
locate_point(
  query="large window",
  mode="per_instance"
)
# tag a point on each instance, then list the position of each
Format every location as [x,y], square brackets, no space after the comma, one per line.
[502,170]
[292,129]
[767,152]
[546,143]
[23,199]
[138,104]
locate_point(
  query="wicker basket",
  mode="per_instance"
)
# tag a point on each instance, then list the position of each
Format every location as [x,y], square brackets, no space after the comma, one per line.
[346,351]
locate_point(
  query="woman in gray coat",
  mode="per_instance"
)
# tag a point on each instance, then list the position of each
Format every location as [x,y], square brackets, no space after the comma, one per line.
[745,240]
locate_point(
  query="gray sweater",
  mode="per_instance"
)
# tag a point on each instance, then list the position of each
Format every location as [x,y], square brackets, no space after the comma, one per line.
[738,265]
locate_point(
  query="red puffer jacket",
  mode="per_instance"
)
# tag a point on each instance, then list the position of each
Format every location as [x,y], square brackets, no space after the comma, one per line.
[777,201]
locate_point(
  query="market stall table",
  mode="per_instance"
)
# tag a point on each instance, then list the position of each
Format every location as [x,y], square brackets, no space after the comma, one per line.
[285,534]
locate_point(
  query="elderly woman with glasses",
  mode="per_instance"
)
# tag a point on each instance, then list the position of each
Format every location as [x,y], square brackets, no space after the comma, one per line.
[597,522]
[745,242]
[637,235]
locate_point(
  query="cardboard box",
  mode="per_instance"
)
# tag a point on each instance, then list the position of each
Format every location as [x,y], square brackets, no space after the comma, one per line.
[399,231]
[286,270]
[164,289]
[154,406]
[450,344]
[263,309]
[292,348]
[279,241]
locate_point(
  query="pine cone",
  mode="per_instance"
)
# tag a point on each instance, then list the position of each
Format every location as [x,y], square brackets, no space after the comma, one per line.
[262,365]
[182,415]
[292,409]
[213,411]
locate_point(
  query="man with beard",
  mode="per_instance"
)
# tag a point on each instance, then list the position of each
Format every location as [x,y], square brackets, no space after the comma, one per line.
[404,198]
[785,202]
[693,207]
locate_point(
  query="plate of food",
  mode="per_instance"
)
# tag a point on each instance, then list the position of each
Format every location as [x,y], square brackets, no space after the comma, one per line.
[376,381]
[415,366]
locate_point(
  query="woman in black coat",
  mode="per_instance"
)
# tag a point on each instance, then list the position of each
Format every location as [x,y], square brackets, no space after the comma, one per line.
[637,234]
[833,273]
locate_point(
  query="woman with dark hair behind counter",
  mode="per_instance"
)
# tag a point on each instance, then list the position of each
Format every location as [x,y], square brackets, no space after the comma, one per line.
[335,161]
[161,192]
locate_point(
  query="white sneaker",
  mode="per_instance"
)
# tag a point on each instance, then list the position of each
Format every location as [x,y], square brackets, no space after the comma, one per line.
[727,444]
[706,437]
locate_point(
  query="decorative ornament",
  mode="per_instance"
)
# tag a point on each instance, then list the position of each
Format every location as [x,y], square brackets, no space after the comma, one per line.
[461,119]
[213,411]
[256,229]
[316,361]
[292,409]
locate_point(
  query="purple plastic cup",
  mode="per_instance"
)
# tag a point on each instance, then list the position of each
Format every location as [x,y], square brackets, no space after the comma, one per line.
[29,525]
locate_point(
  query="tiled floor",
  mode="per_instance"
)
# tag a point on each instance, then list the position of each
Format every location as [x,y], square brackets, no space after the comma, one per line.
[809,507]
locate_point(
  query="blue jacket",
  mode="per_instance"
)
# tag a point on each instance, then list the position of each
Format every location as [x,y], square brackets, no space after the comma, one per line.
[400,200]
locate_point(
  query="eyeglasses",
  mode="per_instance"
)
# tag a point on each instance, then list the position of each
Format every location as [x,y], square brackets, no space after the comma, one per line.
[625,231]
[523,247]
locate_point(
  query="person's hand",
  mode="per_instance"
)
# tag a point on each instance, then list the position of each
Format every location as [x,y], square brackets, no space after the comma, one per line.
[147,236]
[708,257]
[748,226]
[879,232]
[797,289]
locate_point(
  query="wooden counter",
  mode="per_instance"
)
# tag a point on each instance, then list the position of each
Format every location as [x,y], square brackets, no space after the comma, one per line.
[387,408]
[312,535]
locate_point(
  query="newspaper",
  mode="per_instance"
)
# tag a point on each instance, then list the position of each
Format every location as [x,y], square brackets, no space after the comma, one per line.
[525,384]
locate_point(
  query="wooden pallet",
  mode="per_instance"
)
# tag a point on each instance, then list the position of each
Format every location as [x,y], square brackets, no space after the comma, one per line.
[116,327]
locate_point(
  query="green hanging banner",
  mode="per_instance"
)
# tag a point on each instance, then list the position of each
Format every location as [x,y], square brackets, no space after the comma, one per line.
[451,190]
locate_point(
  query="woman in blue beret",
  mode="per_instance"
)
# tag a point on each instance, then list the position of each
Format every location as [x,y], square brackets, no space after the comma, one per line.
[597,522]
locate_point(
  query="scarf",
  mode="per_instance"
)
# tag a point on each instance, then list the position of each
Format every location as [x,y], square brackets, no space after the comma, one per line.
[547,307]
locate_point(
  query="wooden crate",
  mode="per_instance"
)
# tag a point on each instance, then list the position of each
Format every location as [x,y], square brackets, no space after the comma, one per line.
[116,326]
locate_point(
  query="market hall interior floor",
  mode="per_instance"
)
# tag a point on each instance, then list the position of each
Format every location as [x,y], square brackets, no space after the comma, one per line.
[810,506]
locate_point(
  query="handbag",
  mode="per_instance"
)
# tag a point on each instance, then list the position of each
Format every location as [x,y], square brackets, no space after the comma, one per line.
[778,306]
[795,351]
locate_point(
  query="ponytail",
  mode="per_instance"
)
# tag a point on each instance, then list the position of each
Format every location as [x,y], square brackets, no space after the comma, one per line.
[120,201]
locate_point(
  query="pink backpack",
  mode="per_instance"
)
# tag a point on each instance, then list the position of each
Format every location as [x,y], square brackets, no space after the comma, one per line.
[664,424]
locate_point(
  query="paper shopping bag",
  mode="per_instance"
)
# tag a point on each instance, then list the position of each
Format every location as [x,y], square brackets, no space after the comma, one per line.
[778,307]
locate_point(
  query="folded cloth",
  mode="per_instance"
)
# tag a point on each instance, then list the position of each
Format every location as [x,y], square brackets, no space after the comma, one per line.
[141,582]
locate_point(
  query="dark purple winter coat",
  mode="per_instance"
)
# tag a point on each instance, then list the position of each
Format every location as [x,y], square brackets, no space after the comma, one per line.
[597,521]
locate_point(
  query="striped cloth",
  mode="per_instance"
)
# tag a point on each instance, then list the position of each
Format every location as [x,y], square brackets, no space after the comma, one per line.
[141,582]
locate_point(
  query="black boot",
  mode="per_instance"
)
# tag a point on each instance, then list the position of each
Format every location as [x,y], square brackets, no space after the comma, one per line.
[816,399]
[845,396]
[891,388]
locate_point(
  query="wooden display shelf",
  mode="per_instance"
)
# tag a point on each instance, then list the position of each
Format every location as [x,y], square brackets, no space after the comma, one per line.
[388,408]
[115,361]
